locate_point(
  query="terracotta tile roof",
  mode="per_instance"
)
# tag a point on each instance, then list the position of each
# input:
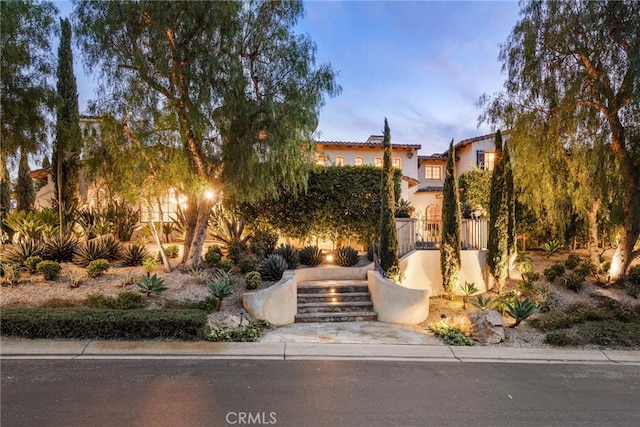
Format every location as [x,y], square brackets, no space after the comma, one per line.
[374,141]
[433,157]
[412,181]
[40,174]
[429,189]
[463,143]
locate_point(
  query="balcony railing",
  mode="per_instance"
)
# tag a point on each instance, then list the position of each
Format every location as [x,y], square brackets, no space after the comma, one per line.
[474,234]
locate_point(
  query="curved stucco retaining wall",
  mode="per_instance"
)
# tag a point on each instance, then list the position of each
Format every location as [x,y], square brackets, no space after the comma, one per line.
[279,303]
[421,270]
[396,303]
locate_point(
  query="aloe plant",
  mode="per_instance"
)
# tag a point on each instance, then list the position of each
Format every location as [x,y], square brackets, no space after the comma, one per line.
[521,310]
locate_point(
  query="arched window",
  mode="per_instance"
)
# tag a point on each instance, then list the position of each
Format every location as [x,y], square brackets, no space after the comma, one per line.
[433,213]
[359,161]
[397,162]
[339,160]
[377,162]
[320,159]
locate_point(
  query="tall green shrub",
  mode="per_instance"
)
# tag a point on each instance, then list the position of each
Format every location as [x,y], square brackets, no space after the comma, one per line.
[510,199]
[340,202]
[451,223]
[68,141]
[388,232]
[497,255]
[24,190]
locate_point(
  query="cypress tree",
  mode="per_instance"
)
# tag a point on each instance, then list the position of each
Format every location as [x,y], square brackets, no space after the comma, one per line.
[512,248]
[5,193]
[451,223]
[68,142]
[25,192]
[498,244]
[388,232]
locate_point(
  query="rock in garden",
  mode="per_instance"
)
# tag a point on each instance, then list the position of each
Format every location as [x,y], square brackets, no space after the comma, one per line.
[486,327]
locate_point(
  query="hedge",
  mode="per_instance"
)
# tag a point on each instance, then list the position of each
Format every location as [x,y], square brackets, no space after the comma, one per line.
[82,323]
[340,202]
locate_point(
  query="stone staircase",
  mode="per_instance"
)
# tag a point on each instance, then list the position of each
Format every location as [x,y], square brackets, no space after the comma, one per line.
[334,301]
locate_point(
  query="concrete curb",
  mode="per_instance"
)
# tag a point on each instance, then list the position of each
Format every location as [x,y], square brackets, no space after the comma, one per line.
[89,349]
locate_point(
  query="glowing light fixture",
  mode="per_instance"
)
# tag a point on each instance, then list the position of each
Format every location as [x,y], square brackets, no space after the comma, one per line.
[209,195]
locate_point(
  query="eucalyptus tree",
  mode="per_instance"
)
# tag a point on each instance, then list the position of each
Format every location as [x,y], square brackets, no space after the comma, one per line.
[388,232]
[573,84]
[240,90]
[26,62]
[451,225]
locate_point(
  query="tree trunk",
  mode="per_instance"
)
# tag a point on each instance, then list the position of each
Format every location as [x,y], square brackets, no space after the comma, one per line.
[630,177]
[199,234]
[163,254]
[191,215]
[593,233]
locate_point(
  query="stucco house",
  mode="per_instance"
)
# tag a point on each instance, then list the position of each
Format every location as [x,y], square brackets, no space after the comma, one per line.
[427,197]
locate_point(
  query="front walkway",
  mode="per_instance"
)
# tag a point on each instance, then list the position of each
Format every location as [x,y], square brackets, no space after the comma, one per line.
[351,333]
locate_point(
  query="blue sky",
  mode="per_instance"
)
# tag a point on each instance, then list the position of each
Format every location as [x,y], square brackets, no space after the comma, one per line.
[421,64]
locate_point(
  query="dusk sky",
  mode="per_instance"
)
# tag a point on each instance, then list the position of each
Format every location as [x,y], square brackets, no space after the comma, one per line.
[421,64]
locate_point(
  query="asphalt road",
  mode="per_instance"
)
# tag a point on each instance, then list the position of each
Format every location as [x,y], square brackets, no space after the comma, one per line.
[186,392]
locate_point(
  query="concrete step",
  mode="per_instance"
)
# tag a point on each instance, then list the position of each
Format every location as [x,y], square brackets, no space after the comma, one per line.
[333,298]
[321,290]
[352,316]
[335,301]
[333,307]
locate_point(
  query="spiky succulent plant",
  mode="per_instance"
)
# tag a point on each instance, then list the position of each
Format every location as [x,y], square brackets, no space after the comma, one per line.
[346,256]
[272,267]
[310,256]
[290,254]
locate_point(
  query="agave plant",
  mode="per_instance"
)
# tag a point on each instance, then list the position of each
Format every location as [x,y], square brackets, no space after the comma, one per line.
[310,256]
[346,256]
[124,218]
[25,225]
[483,303]
[551,247]
[133,254]
[290,254]
[179,221]
[152,285]
[91,250]
[521,310]
[200,275]
[468,289]
[272,267]
[221,288]
[60,248]
[226,228]
[24,249]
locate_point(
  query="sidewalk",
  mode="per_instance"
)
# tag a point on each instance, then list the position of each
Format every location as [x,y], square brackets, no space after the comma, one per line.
[89,349]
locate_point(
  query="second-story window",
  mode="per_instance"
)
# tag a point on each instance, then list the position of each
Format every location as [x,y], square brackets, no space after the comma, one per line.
[377,162]
[433,173]
[339,160]
[397,162]
[359,161]
[485,159]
